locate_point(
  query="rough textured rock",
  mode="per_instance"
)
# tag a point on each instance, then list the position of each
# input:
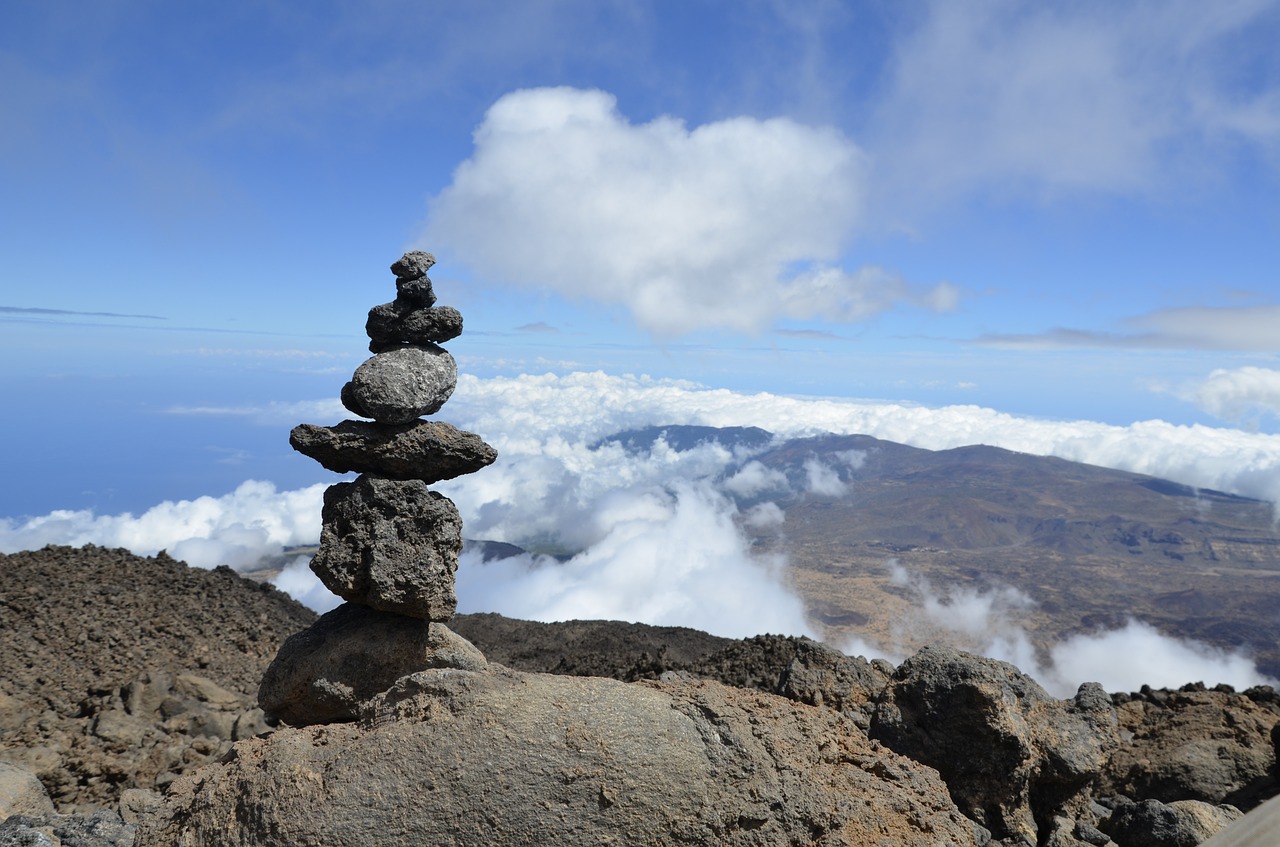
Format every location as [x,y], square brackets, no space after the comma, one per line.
[392,545]
[1013,757]
[21,793]
[425,450]
[450,757]
[325,672]
[403,384]
[103,828]
[1182,823]
[1212,745]
[399,322]
[79,629]
[823,676]
[413,266]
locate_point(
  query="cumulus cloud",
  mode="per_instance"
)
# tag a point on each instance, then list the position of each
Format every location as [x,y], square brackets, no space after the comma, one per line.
[731,224]
[663,556]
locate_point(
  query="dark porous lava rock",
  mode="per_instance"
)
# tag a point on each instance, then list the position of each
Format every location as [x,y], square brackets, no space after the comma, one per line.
[90,637]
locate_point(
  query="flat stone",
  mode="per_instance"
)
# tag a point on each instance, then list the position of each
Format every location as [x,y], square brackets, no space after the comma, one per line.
[353,653]
[392,545]
[425,450]
[403,384]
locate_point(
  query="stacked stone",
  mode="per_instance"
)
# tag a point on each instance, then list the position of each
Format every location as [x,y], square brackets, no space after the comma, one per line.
[389,545]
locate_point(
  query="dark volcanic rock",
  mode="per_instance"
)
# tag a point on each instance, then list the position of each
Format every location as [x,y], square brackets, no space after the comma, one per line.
[392,545]
[1182,823]
[413,265]
[425,450]
[451,757]
[1013,757]
[325,672]
[403,384]
[823,676]
[397,323]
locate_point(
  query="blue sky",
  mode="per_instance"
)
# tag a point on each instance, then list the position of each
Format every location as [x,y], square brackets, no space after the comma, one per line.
[1053,227]
[1065,211]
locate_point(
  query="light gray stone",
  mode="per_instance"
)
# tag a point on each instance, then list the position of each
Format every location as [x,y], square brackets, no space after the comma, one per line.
[21,793]
[390,544]
[403,384]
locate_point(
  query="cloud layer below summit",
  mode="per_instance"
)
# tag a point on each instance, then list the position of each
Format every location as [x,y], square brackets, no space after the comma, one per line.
[655,537]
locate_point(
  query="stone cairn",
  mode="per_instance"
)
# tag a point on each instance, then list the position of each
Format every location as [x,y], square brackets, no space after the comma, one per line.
[389,545]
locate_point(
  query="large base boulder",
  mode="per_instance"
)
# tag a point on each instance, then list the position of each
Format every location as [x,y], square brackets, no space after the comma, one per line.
[463,758]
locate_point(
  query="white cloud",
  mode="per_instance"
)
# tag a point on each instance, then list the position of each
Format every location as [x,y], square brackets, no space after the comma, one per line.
[1235,395]
[753,479]
[670,557]
[730,224]
[236,529]
[822,480]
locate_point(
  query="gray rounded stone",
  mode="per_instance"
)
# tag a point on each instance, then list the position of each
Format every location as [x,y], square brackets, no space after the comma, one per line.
[404,384]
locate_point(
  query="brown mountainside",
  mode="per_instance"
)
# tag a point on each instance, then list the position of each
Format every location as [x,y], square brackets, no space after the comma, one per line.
[1092,547]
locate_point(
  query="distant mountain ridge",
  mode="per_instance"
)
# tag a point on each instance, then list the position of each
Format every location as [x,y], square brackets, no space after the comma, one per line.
[1093,547]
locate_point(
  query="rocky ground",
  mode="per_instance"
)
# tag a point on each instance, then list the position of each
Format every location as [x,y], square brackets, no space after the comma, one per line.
[120,676]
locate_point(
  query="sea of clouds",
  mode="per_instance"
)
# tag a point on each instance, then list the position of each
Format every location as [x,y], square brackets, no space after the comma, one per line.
[656,536]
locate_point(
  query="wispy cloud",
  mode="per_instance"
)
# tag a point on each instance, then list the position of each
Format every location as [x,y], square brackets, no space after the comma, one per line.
[35,311]
[1240,328]
[538,326]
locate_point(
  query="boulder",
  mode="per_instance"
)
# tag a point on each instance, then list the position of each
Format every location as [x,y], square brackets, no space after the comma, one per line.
[469,759]
[403,384]
[1195,744]
[390,544]
[1182,823]
[1014,757]
[21,793]
[427,450]
[325,672]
